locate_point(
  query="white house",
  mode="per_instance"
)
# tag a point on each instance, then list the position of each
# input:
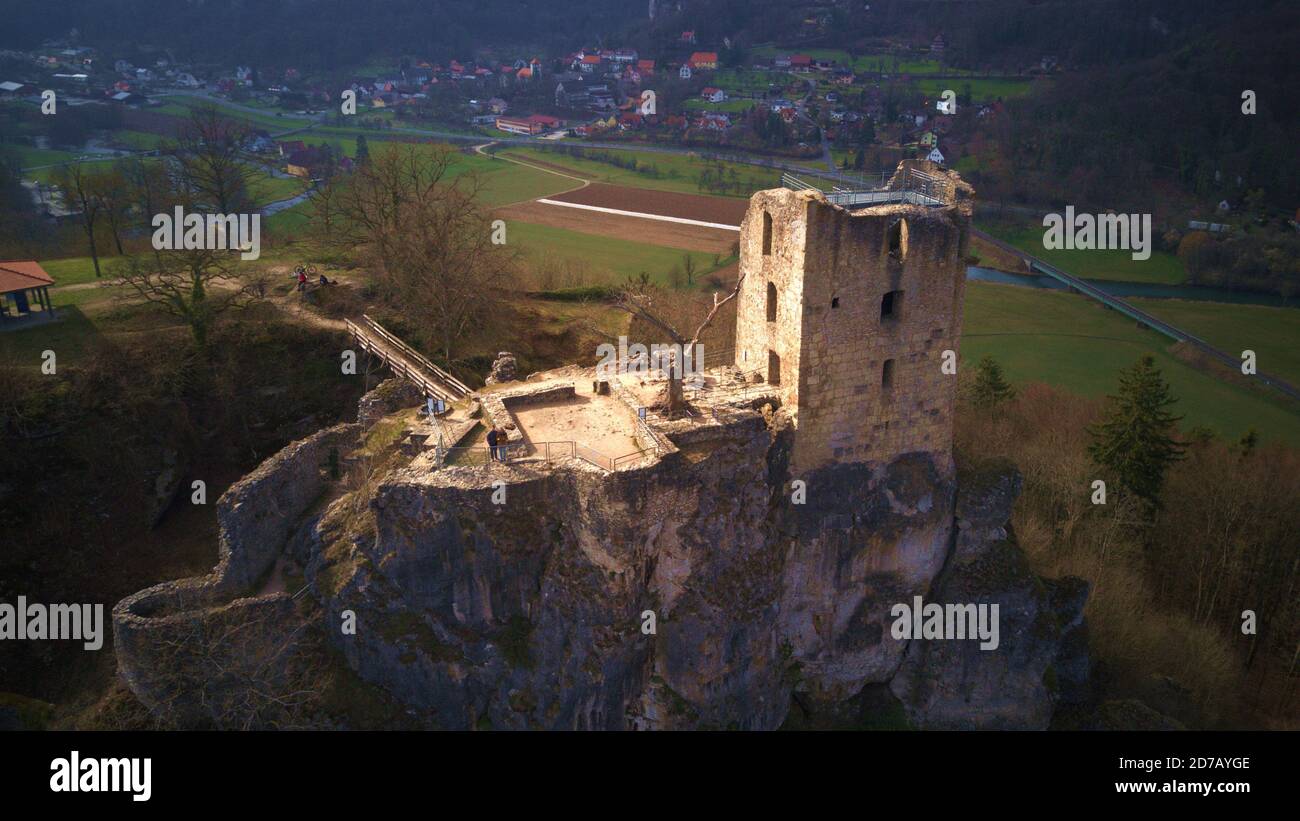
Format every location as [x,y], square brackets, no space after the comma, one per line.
[684,72]
[714,95]
[935,156]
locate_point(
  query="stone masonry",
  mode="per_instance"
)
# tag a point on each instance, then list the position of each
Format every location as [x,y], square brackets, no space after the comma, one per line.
[849,311]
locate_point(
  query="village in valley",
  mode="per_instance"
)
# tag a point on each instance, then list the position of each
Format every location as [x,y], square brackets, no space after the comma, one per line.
[820,108]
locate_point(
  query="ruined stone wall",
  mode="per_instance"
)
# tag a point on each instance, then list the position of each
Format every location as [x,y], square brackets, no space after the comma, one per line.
[832,269]
[854,406]
[170,639]
[783,268]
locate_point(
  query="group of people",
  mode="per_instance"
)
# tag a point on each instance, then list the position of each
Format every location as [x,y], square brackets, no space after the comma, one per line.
[498,444]
[301,273]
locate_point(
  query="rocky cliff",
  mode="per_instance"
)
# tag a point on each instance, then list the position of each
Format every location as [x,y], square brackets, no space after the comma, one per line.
[699,590]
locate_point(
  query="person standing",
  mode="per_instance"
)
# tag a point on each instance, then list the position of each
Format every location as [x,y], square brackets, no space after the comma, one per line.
[492,443]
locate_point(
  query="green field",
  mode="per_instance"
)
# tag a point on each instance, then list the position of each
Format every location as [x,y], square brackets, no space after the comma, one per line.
[1272,333]
[1071,342]
[181,105]
[734,80]
[888,63]
[729,107]
[982,90]
[605,261]
[660,172]
[1162,268]
[27,157]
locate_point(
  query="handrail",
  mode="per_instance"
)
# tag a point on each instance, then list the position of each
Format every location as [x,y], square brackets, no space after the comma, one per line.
[399,358]
[403,347]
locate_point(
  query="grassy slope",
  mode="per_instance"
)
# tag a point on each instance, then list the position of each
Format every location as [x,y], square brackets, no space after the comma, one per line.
[606,260]
[1066,340]
[677,172]
[1162,267]
[1272,333]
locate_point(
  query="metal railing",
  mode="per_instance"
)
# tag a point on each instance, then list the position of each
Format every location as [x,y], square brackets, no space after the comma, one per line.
[481,456]
[915,187]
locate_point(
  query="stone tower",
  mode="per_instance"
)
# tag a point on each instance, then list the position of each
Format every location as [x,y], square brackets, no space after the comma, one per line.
[848,302]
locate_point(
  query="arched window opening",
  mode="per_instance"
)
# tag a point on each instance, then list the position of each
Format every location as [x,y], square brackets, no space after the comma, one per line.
[898,239]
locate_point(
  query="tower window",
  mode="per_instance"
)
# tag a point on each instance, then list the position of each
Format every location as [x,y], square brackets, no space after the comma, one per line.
[891,305]
[835,302]
[898,239]
[887,375]
[773,368]
[771,302]
[767,233]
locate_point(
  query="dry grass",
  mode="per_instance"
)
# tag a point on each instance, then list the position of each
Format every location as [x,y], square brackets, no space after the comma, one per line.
[1150,635]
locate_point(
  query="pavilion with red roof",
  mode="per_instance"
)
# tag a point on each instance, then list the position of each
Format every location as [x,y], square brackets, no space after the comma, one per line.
[23,282]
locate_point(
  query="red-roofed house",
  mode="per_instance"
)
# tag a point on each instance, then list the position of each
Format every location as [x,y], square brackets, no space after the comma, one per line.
[645,67]
[801,62]
[24,282]
[704,59]
[533,124]
[714,95]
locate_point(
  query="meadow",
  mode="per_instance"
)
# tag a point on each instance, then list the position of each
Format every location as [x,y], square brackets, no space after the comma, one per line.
[1068,341]
[1026,234]
[659,172]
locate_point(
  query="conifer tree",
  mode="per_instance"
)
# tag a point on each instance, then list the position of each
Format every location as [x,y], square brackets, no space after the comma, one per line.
[990,388]
[1133,443]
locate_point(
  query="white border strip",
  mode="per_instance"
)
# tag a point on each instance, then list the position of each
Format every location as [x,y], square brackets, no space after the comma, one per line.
[642,215]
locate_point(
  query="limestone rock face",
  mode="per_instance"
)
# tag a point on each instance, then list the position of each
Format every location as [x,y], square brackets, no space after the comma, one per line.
[694,592]
[947,684]
[504,369]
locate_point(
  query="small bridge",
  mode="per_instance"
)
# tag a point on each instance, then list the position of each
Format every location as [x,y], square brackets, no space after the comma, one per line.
[1138,315]
[405,361]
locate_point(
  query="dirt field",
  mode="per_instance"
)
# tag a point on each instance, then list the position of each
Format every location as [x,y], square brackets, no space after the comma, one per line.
[655,232]
[601,423]
[724,210]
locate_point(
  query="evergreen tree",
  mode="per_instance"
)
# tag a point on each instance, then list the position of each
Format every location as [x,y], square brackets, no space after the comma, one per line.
[991,388]
[1133,442]
[363,149]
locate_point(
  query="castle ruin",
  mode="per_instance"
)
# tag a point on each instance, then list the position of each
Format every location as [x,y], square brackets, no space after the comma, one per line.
[514,593]
[849,307]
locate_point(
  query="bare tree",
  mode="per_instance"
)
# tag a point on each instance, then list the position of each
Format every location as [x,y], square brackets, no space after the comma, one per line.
[210,152]
[368,208]
[196,287]
[434,244]
[81,193]
[649,303]
[114,198]
[444,269]
[148,187]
